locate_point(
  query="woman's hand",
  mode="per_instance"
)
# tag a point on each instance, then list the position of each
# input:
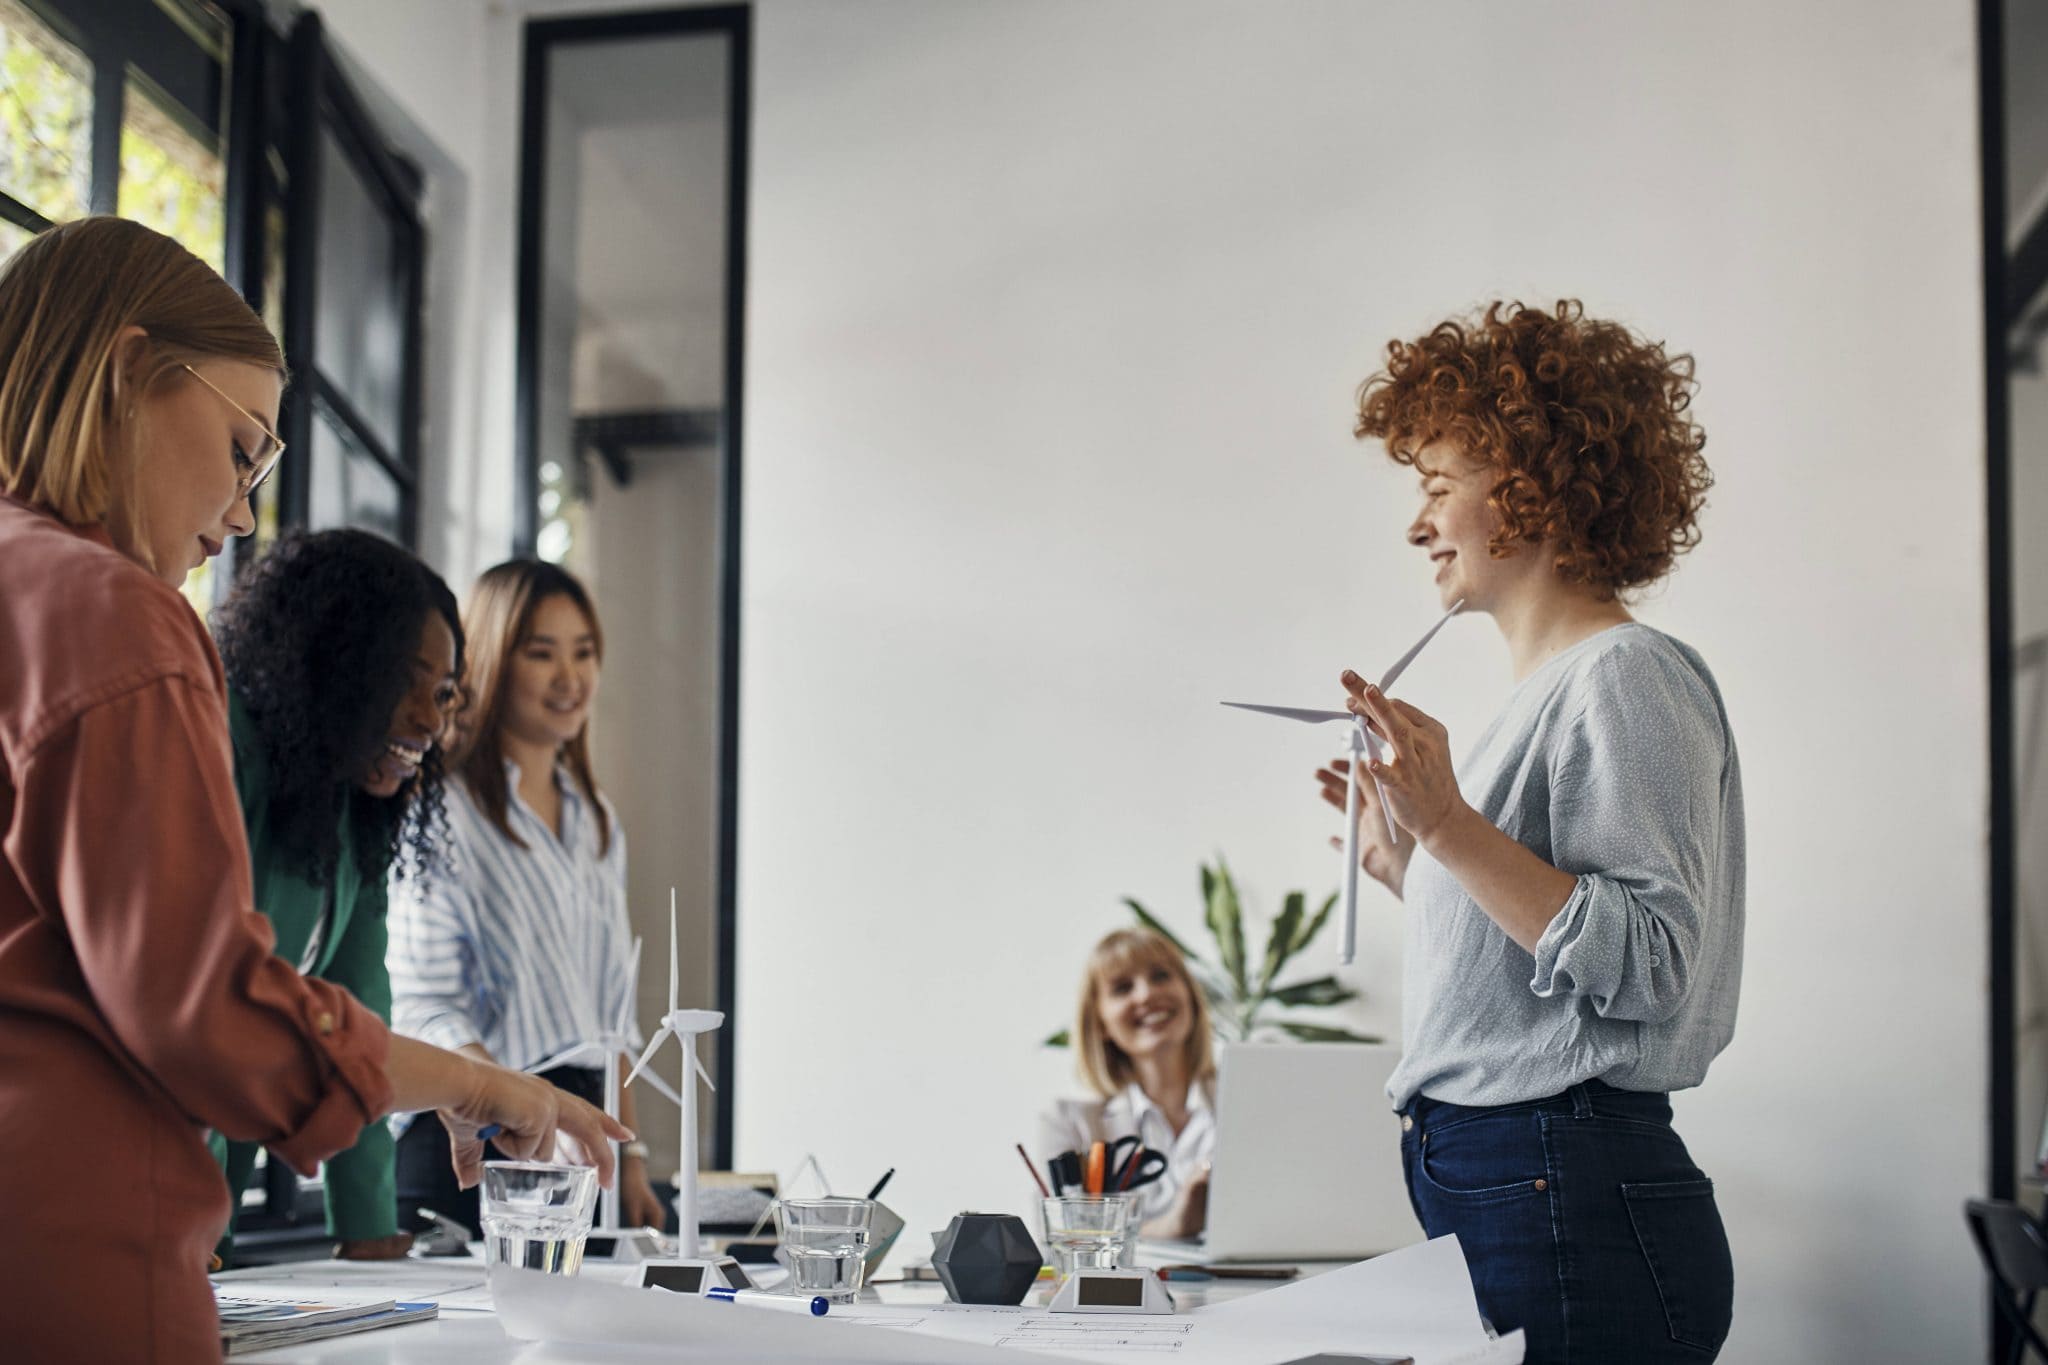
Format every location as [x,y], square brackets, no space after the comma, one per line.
[1384,859]
[1187,1213]
[639,1205]
[529,1113]
[1419,778]
[392,1248]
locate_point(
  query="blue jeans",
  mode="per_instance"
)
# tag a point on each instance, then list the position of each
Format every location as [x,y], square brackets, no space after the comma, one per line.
[1584,1221]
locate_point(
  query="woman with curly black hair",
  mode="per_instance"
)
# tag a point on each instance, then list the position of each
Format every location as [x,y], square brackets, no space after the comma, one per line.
[1574,888]
[342,654]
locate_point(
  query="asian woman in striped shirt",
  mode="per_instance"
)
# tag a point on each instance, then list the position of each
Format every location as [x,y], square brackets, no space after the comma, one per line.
[518,949]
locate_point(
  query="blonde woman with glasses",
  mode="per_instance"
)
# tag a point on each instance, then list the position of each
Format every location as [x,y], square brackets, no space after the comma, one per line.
[140,1001]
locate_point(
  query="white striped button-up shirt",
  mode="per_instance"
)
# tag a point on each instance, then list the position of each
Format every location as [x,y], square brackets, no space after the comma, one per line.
[524,950]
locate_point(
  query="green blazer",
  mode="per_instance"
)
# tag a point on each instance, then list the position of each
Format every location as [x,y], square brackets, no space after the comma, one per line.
[362,1193]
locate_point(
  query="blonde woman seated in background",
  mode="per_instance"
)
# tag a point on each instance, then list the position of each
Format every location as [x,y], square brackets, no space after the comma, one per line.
[1142,1043]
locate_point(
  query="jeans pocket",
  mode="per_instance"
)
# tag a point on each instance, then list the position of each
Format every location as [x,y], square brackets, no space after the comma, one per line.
[1678,1226]
[1490,1157]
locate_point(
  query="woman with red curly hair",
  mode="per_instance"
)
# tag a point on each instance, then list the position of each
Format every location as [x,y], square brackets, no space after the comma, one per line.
[1574,888]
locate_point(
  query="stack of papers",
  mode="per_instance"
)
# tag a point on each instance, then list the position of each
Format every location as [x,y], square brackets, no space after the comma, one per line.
[265,1322]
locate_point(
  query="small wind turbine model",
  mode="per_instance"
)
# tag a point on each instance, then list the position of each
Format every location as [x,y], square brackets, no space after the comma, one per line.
[1363,743]
[686,1272]
[608,1240]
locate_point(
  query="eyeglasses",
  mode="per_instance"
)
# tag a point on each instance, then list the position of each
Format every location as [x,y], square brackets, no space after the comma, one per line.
[265,459]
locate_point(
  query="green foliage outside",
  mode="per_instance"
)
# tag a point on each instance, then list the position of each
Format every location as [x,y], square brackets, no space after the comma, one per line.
[1243,995]
[45,118]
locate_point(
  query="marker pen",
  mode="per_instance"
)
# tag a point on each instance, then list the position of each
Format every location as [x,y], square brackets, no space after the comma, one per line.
[815,1306]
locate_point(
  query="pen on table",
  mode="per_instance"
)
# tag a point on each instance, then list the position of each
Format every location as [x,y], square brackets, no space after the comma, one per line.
[815,1306]
[883,1181]
[1026,1158]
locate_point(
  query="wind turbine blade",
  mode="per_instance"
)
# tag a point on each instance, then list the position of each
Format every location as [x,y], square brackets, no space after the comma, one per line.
[1393,674]
[632,992]
[662,1088]
[661,1035]
[672,950]
[1301,713]
[564,1057]
[701,1072]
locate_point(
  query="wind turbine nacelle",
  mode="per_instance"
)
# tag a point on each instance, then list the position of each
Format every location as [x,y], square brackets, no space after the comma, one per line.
[694,1021]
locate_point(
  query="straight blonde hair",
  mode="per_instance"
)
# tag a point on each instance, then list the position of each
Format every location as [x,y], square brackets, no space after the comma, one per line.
[70,438]
[1105,1066]
[496,620]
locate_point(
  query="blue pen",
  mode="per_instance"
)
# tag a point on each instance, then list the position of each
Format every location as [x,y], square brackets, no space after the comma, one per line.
[489,1131]
[816,1306]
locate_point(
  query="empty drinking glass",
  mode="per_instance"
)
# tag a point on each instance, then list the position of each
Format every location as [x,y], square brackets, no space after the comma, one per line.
[825,1240]
[1086,1231]
[537,1214]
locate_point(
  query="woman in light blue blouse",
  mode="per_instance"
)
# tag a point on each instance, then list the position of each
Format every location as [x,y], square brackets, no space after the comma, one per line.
[520,949]
[1574,888]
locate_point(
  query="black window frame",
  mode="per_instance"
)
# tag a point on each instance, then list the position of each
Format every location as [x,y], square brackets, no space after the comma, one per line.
[539,37]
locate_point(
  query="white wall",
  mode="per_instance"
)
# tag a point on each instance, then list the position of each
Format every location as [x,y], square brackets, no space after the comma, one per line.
[1055,315]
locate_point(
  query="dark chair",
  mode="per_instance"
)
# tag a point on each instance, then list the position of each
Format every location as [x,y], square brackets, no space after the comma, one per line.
[2015,1252]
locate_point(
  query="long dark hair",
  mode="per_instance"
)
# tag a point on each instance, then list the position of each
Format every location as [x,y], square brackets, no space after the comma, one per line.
[500,615]
[318,639]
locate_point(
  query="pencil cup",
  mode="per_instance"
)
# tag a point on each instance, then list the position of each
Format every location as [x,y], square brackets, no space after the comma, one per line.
[1086,1231]
[826,1241]
[537,1214]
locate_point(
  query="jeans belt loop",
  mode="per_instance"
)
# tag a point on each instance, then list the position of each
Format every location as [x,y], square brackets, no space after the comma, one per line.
[1582,1101]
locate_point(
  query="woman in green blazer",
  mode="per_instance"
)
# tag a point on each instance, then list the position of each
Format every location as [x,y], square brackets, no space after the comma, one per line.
[342,654]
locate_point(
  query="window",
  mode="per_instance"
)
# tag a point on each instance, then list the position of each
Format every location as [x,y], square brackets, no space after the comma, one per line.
[117,106]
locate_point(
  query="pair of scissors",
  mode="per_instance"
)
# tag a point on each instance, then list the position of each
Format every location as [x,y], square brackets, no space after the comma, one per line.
[1141,1167]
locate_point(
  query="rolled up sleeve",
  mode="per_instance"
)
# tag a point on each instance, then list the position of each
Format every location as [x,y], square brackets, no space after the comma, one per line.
[127,829]
[1635,815]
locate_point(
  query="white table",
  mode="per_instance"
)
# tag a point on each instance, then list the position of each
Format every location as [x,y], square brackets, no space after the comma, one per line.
[473,1337]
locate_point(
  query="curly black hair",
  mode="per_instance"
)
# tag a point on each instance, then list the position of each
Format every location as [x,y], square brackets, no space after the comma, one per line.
[318,640]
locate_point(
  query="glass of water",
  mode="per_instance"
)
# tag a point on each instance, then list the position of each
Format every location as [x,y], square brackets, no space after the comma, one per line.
[1086,1231]
[825,1240]
[537,1214]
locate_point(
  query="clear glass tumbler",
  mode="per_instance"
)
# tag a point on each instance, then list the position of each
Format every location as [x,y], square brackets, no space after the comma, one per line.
[825,1240]
[536,1215]
[1086,1231]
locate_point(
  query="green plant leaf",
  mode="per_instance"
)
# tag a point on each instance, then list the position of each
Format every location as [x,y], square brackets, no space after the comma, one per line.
[1280,942]
[1315,926]
[1316,1033]
[1324,990]
[1151,921]
[1226,923]
[1061,1039]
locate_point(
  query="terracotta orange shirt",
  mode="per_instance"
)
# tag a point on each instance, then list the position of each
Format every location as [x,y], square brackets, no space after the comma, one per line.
[140,1002]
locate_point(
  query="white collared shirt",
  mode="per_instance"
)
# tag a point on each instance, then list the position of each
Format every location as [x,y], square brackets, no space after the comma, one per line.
[1072,1125]
[525,950]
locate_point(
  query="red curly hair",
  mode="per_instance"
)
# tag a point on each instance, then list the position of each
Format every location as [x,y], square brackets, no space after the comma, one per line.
[1583,422]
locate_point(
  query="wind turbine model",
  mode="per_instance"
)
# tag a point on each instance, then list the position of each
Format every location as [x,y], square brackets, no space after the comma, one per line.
[1363,742]
[608,1240]
[686,1272]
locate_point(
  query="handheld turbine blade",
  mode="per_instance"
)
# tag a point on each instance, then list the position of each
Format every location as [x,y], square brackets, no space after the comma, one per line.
[1301,713]
[662,1035]
[1392,675]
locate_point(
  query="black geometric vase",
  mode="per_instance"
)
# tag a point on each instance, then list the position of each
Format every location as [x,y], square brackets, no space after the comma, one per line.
[986,1258]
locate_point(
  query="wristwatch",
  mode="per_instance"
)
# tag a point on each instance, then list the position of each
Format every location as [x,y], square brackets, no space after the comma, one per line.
[633,1150]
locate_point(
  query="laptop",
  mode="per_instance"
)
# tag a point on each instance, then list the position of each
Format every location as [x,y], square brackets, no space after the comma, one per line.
[1308,1155]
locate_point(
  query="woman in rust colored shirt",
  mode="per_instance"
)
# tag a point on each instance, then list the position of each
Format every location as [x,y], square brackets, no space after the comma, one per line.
[140,1001]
